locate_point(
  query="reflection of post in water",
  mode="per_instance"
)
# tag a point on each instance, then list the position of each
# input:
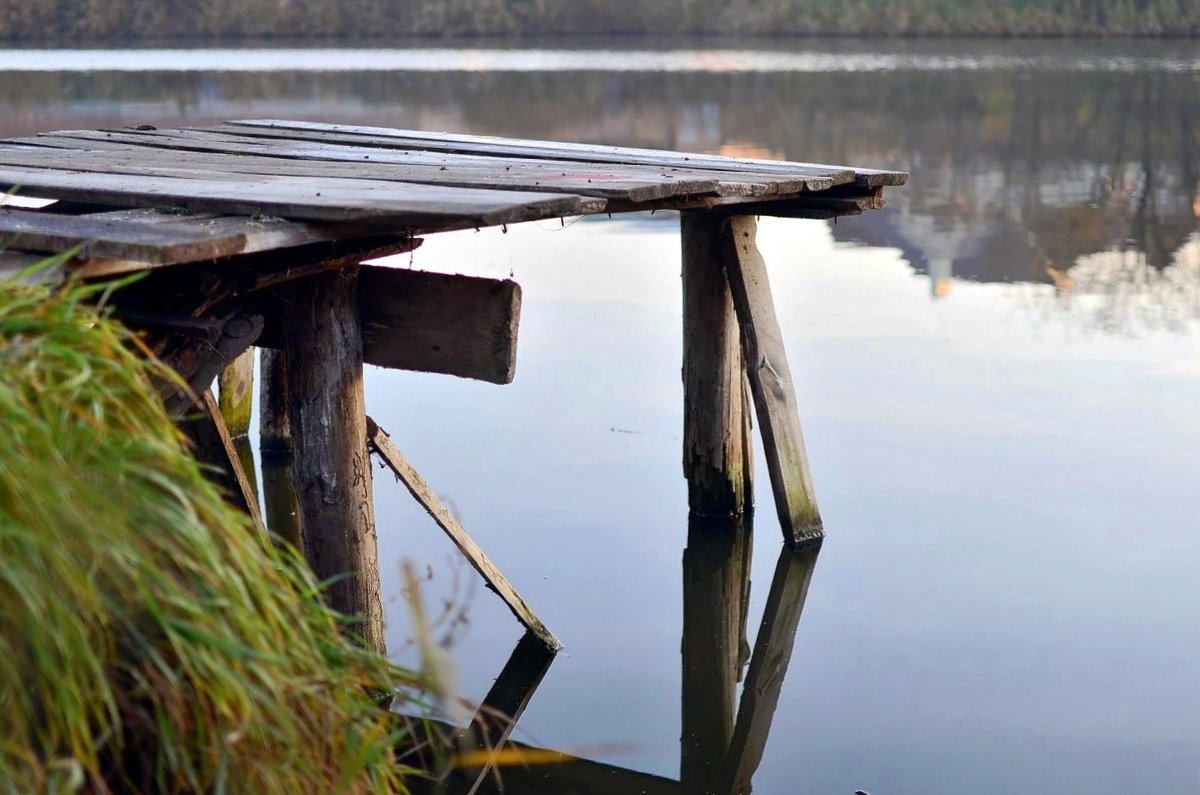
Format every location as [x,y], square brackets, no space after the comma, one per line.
[769,664]
[275,449]
[485,742]
[720,750]
[716,571]
[723,741]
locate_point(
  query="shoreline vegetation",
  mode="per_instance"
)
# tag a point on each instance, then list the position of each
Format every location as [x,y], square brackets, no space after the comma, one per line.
[151,641]
[76,21]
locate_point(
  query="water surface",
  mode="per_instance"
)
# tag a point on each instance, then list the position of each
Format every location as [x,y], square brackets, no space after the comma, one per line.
[998,379]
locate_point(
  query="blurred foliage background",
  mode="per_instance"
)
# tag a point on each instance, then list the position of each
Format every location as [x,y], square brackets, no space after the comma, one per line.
[136,19]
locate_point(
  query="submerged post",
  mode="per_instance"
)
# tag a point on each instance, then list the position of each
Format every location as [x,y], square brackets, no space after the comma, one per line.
[717,452]
[332,470]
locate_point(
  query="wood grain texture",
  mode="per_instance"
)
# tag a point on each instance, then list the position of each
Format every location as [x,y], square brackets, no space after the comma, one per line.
[332,470]
[463,326]
[769,665]
[125,238]
[220,152]
[393,204]
[441,141]
[423,494]
[770,382]
[717,452]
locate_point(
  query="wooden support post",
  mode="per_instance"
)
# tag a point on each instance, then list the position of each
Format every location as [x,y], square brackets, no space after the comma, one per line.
[495,579]
[771,383]
[332,471]
[714,573]
[769,664]
[236,402]
[236,384]
[275,450]
[717,454]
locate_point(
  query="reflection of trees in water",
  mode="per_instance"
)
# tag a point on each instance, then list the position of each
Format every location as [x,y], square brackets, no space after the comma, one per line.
[1122,292]
[1016,175]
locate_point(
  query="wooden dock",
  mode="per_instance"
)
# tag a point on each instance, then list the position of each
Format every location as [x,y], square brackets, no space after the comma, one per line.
[253,233]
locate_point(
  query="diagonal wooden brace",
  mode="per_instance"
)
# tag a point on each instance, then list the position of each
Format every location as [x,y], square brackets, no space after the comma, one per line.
[770,382]
[382,444]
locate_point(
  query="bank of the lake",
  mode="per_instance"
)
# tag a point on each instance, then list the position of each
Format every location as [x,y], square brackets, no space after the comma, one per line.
[131,20]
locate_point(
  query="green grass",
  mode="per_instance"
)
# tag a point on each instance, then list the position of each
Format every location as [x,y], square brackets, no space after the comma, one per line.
[150,640]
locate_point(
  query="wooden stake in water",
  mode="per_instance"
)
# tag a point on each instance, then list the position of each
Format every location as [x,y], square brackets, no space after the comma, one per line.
[332,470]
[717,452]
[771,383]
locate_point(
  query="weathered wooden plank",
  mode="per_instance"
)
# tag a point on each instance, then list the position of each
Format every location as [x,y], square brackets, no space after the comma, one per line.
[121,241]
[717,454]
[714,587]
[463,326]
[745,180]
[404,471]
[151,243]
[768,665]
[766,194]
[770,382]
[151,215]
[395,204]
[214,448]
[242,141]
[561,150]
[440,323]
[241,153]
[204,149]
[332,470]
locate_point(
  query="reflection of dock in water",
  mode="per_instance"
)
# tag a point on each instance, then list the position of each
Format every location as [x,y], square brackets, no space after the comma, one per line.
[723,739]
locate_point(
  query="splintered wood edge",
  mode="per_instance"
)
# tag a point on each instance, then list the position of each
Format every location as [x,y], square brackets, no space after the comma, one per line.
[382,444]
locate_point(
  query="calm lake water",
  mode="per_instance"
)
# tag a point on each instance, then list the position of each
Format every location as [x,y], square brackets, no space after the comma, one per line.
[999,380]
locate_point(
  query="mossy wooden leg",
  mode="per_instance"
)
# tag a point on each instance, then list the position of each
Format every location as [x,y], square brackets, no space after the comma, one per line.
[275,450]
[717,455]
[715,568]
[770,382]
[332,470]
[236,384]
[236,401]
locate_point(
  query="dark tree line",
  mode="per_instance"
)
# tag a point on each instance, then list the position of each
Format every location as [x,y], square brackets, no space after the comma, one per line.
[71,20]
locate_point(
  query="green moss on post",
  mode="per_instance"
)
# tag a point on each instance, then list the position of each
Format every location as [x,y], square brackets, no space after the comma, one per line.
[236,384]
